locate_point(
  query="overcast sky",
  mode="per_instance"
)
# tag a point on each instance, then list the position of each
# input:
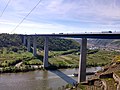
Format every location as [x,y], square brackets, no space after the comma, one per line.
[60,16]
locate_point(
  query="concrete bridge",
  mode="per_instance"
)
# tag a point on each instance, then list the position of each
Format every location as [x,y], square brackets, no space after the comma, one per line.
[83,51]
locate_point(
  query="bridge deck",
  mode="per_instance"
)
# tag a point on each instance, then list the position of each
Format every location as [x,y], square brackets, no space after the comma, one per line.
[85,35]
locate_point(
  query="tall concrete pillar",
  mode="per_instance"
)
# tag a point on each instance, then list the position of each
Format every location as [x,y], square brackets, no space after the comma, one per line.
[28,44]
[24,40]
[45,59]
[34,46]
[82,62]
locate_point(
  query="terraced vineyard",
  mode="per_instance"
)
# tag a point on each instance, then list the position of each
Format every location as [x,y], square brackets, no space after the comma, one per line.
[88,87]
[110,83]
[106,79]
[93,88]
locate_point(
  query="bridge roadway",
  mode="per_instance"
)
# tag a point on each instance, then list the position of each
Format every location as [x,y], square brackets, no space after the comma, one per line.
[82,35]
[83,51]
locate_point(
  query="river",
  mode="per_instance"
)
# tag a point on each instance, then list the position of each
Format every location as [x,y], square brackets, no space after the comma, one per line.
[39,80]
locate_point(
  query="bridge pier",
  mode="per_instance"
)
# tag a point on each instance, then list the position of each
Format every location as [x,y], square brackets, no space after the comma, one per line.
[24,40]
[82,62]
[34,46]
[45,59]
[28,44]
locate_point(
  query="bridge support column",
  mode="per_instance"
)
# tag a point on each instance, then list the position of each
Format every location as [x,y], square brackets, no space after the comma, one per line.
[45,59]
[28,44]
[34,46]
[82,62]
[24,40]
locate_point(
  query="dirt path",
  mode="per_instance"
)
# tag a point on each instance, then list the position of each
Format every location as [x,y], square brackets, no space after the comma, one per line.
[18,64]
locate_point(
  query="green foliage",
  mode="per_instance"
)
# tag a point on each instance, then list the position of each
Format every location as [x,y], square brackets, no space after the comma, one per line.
[58,44]
[8,40]
[58,53]
[101,58]
[82,87]
[63,53]
[16,69]
[55,44]
[117,59]
[68,86]
[7,63]
[33,62]
[94,58]
[92,51]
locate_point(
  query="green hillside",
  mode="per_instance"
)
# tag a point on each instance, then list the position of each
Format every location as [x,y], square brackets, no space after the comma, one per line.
[63,53]
[8,40]
[57,44]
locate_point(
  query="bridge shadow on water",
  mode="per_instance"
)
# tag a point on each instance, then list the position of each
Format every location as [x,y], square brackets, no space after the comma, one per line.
[64,77]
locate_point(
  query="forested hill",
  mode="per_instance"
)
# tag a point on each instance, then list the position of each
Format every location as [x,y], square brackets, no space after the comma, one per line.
[8,40]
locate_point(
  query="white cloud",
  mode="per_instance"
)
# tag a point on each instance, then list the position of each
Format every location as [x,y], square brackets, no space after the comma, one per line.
[32,28]
[100,14]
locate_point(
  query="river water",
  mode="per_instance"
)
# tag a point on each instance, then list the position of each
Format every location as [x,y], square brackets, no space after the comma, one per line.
[39,80]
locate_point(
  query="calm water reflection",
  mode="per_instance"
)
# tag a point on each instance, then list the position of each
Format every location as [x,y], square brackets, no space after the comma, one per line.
[37,80]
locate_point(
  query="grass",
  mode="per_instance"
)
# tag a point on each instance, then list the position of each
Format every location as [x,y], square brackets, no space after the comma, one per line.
[60,59]
[13,58]
[99,58]
[8,60]
[58,53]
[33,62]
[64,60]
